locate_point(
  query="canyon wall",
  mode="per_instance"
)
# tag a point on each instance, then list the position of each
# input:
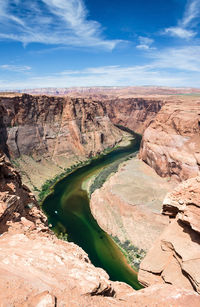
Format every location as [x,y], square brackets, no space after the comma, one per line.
[54,126]
[44,135]
[171,143]
[133,113]
[41,134]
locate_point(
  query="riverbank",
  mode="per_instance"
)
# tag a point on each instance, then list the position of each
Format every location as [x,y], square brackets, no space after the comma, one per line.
[49,184]
[128,205]
[68,211]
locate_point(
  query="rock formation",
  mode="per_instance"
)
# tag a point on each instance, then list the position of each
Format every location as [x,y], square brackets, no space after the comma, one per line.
[47,134]
[18,206]
[133,113]
[54,126]
[175,257]
[171,142]
[37,269]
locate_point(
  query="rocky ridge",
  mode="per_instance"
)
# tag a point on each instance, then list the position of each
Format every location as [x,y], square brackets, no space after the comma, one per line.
[18,206]
[175,257]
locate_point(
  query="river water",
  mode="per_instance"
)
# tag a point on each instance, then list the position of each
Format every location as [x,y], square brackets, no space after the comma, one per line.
[68,211]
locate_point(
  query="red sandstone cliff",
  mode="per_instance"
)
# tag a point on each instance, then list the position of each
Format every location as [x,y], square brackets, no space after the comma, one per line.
[18,206]
[54,126]
[133,113]
[45,135]
[171,143]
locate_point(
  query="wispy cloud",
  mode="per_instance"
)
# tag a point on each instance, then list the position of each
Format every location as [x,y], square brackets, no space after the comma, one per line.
[62,22]
[169,67]
[180,32]
[15,68]
[185,26]
[145,43]
[185,59]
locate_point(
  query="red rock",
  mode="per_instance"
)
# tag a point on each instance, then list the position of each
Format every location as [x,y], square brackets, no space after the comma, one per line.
[171,142]
[175,256]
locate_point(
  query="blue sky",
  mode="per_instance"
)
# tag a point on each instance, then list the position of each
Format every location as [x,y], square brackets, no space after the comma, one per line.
[65,43]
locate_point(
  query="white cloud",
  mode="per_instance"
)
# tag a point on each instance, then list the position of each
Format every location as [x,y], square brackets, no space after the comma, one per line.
[15,68]
[169,67]
[185,26]
[145,43]
[191,13]
[180,32]
[183,59]
[51,22]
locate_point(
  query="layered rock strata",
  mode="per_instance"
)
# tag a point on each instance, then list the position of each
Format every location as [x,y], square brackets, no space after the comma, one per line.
[175,257]
[171,143]
[47,134]
[133,113]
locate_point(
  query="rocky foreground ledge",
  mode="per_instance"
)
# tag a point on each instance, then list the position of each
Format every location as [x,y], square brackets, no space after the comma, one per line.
[175,256]
[37,269]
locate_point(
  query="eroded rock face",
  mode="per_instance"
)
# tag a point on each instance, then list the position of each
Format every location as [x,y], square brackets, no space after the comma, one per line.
[133,113]
[46,134]
[171,142]
[165,296]
[175,257]
[54,126]
[18,206]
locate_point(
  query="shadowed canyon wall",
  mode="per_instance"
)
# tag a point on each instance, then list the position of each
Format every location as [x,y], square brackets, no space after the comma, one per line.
[133,113]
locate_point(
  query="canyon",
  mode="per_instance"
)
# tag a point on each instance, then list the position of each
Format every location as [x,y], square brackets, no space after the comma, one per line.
[43,136]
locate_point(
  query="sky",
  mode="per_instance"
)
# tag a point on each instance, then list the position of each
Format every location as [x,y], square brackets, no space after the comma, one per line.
[66,43]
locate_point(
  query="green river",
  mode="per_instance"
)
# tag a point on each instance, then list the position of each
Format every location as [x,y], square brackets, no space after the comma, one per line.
[68,211]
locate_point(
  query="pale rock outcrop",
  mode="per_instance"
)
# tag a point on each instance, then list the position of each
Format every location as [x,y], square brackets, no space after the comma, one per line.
[32,265]
[175,256]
